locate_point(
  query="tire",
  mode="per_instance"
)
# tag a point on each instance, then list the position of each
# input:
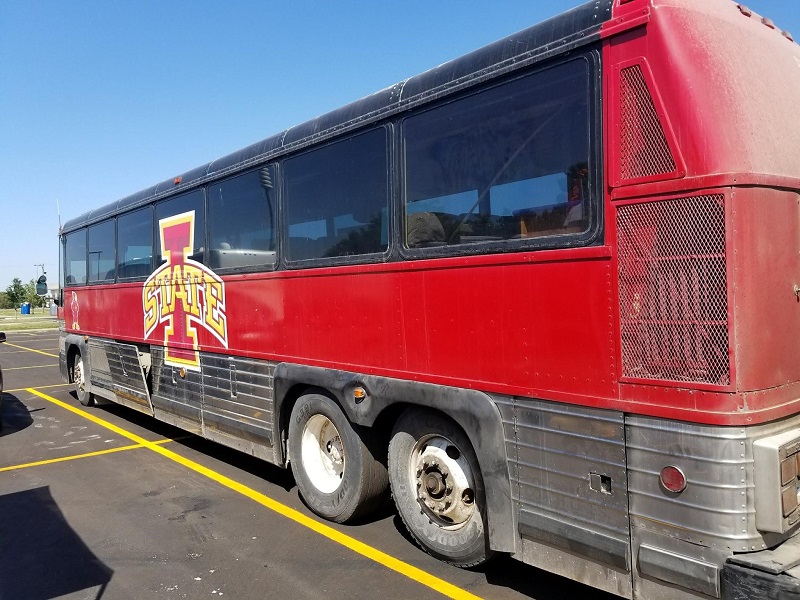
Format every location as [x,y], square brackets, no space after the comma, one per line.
[438,489]
[334,463]
[78,375]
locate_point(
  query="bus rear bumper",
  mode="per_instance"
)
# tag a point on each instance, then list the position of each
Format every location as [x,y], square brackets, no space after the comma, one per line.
[769,574]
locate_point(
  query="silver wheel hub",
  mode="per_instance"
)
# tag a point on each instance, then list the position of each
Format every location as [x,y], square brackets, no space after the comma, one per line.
[444,482]
[323,455]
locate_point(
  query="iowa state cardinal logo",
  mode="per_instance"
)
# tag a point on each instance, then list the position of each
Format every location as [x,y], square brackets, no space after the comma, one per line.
[182,294]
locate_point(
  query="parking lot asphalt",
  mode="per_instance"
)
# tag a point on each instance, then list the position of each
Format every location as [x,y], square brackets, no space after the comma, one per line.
[106,502]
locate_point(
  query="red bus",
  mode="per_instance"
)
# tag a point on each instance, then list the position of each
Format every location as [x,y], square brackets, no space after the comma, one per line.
[548,294]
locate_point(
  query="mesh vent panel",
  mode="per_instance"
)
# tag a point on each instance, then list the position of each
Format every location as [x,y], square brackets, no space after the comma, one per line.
[673,290]
[644,151]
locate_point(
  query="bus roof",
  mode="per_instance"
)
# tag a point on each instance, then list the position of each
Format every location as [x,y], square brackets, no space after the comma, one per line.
[579,26]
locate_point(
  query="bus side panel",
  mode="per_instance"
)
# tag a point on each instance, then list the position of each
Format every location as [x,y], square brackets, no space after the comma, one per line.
[765,231]
[177,394]
[680,540]
[537,324]
[569,484]
[238,403]
[116,373]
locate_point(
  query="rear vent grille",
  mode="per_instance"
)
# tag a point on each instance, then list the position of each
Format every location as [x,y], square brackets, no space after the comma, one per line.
[644,150]
[673,290]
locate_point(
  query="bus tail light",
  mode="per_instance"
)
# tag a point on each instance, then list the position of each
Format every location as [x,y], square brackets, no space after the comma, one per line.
[776,469]
[673,479]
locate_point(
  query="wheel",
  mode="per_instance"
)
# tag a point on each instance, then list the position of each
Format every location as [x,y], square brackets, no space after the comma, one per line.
[335,465]
[437,488]
[78,375]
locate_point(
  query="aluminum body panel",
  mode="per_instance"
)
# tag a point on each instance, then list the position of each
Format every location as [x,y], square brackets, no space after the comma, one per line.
[176,400]
[713,509]
[665,566]
[237,397]
[713,518]
[567,466]
[676,544]
[115,373]
[717,509]
[230,400]
[567,564]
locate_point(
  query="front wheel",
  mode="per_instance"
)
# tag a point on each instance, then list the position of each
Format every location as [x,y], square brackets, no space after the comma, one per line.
[79,377]
[334,464]
[437,487]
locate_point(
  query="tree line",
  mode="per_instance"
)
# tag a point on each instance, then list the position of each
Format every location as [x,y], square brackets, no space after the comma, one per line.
[19,292]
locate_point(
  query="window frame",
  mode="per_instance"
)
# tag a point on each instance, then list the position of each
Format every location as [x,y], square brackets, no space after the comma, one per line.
[151,209]
[85,231]
[276,224]
[374,257]
[158,257]
[105,280]
[594,232]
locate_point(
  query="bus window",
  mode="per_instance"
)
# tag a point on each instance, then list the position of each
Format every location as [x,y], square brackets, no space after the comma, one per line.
[502,164]
[337,199]
[102,257]
[190,204]
[241,221]
[75,259]
[135,244]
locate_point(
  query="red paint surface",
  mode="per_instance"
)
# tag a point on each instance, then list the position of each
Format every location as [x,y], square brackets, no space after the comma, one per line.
[727,89]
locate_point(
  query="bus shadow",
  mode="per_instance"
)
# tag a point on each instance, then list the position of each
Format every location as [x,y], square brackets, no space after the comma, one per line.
[14,416]
[250,464]
[256,467]
[41,556]
[507,572]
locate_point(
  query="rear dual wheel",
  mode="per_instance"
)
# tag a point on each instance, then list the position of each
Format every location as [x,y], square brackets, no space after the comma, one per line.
[335,463]
[438,489]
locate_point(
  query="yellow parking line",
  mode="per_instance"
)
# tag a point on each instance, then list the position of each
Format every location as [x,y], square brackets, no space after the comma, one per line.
[31,367]
[439,585]
[50,461]
[31,350]
[41,387]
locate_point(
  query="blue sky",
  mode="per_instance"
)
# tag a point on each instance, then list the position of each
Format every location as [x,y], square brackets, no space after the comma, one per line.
[101,99]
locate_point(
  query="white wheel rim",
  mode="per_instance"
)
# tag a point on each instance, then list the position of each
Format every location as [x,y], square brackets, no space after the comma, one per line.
[322,454]
[79,383]
[444,482]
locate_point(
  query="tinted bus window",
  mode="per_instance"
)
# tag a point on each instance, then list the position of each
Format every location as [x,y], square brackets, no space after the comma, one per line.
[508,163]
[135,244]
[75,259]
[337,199]
[188,207]
[102,253]
[241,221]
